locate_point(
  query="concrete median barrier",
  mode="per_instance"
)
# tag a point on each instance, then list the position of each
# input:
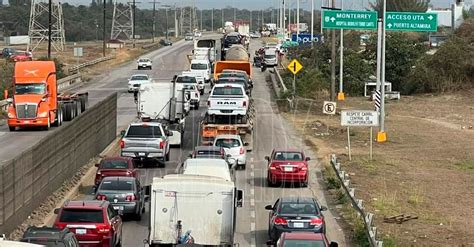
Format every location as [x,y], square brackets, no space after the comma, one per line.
[27,179]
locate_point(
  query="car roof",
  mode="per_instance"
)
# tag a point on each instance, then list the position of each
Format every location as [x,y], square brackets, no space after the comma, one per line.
[210,148]
[234,70]
[145,123]
[228,137]
[288,150]
[139,75]
[126,179]
[301,199]
[44,232]
[303,235]
[200,61]
[228,85]
[85,204]
[145,58]
[208,167]
[116,158]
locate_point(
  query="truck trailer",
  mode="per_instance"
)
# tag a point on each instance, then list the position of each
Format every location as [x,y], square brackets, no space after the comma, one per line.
[36,101]
[201,208]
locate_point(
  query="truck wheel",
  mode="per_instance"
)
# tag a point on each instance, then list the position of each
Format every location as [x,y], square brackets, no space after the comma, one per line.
[48,126]
[82,101]
[196,106]
[12,128]
[67,112]
[167,157]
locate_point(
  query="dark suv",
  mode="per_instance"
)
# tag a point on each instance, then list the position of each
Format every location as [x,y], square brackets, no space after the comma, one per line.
[295,214]
[95,223]
[50,236]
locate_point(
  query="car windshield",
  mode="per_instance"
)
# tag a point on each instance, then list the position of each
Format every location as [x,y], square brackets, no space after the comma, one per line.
[189,87]
[208,153]
[303,243]
[227,90]
[199,66]
[139,78]
[290,208]
[114,164]
[227,143]
[144,131]
[290,156]
[122,185]
[232,39]
[81,215]
[45,242]
[186,79]
[144,60]
[31,88]
[226,75]
[270,56]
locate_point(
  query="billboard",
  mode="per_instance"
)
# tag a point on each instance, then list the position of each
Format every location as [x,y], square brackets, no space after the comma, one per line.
[305,38]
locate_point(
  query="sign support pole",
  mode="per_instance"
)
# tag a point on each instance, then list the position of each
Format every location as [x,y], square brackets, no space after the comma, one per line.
[371,140]
[340,95]
[379,51]
[381,135]
[349,142]
[294,85]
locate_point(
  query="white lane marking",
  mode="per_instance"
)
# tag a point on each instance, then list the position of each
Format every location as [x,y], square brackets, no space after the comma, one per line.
[251,159]
[252,174]
[252,202]
[252,166]
[252,214]
[252,227]
[252,192]
[252,182]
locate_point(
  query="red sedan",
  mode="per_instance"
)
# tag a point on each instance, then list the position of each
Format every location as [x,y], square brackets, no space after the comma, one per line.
[287,165]
[306,239]
[115,167]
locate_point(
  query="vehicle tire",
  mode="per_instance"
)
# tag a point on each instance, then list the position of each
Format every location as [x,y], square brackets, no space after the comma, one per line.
[243,166]
[11,128]
[48,126]
[82,100]
[59,116]
[138,68]
[67,112]
[78,107]
[196,106]
[304,184]
[167,156]
[138,216]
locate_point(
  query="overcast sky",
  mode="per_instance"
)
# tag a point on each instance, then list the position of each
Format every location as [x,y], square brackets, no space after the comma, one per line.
[259,4]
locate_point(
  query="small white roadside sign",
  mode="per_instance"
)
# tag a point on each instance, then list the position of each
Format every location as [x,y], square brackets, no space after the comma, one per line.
[359,118]
[329,107]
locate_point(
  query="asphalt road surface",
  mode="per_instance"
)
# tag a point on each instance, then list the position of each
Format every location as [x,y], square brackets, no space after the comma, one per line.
[270,131]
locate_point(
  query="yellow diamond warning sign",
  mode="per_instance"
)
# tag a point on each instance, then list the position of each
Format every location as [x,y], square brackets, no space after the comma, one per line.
[295,66]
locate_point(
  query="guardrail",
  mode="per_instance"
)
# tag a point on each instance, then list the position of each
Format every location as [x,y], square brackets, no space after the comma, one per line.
[357,204]
[63,84]
[75,68]
[280,80]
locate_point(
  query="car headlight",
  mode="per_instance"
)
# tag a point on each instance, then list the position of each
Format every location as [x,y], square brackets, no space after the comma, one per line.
[43,114]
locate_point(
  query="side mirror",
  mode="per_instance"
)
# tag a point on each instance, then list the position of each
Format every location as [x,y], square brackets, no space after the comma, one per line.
[122,132]
[97,165]
[246,144]
[323,208]
[9,100]
[307,159]
[269,207]
[239,198]
[56,210]
[267,158]
[333,244]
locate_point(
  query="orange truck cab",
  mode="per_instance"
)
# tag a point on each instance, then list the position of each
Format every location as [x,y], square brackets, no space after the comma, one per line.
[35,101]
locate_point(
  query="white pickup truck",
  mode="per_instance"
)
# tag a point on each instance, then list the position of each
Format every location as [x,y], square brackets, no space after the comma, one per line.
[228,100]
[201,66]
[144,63]
[189,84]
[136,80]
[199,78]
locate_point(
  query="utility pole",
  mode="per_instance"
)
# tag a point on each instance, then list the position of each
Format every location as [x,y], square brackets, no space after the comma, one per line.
[312,22]
[333,59]
[250,26]
[103,28]
[235,11]
[381,135]
[212,20]
[222,15]
[297,19]
[154,22]
[133,22]
[200,28]
[50,14]
[167,28]
[283,18]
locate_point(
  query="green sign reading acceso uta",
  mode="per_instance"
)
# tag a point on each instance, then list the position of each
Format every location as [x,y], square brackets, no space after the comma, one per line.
[411,22]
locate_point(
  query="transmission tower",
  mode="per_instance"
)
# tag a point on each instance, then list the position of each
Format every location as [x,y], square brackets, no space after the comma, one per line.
[38,27]
[188,21]
[122,21]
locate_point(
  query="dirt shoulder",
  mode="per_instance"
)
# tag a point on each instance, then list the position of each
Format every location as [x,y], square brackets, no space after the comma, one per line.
[425,169]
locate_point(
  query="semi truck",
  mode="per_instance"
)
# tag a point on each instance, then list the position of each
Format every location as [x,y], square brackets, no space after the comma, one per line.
[36,101]
[198,207]
[206,47]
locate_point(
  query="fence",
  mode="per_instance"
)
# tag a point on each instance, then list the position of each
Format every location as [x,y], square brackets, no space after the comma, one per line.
[357,204]
[63,84]
[75,68]
[279,81]
[27,179]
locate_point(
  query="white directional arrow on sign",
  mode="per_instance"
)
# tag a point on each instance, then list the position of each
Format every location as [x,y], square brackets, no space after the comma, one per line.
[333,19]
[389,25]
[430,17]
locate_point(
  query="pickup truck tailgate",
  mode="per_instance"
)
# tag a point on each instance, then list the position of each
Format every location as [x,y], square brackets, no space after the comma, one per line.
[227,103]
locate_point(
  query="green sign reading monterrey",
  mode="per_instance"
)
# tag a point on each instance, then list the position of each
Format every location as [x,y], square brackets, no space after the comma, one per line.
[348,19]
[411,22]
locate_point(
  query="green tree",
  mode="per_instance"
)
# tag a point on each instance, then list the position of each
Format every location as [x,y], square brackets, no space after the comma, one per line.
[401,6]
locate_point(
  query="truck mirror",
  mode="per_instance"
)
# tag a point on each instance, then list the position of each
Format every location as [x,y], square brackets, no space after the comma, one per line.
[56,210]
[307,159]
[240,198]
[122,132]
[9,100]
[269,207]
[97,165]
[267,158]
[333,244]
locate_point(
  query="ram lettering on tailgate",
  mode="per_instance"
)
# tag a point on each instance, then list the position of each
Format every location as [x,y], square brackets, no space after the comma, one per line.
[226,103]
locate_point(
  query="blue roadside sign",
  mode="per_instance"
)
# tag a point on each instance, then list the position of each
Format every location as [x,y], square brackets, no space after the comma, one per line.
[305,38]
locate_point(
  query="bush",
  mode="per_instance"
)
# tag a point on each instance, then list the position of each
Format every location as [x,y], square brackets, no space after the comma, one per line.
[6,75]
[356,72]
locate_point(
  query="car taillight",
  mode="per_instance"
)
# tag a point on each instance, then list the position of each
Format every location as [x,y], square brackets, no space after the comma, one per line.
[304,168]
[60,225]
[244,104]
[162,145]
[316,222]
[103,228]
[242,150]
[122,144]
[280,221]
[98,172]
[101,197]
[273,167]
[130,198]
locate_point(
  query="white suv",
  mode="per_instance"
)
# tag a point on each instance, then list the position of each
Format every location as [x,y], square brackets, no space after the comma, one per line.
[233,146]
[144,63]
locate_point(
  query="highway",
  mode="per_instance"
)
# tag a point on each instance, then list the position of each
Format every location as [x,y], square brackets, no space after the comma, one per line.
[271,130]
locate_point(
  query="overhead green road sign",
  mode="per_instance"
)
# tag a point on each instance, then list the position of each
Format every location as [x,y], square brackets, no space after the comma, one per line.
[411,22]
[348,19]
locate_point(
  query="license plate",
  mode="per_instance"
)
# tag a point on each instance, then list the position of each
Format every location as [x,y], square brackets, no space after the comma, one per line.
[81,231]
[141,154]
[298,225]
[288,169]
[118,207]
[27,121]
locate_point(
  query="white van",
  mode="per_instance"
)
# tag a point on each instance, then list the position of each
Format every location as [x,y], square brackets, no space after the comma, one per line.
[270,57]
[202,66]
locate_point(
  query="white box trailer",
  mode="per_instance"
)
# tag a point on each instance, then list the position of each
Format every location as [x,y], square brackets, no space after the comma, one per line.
[206,206]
